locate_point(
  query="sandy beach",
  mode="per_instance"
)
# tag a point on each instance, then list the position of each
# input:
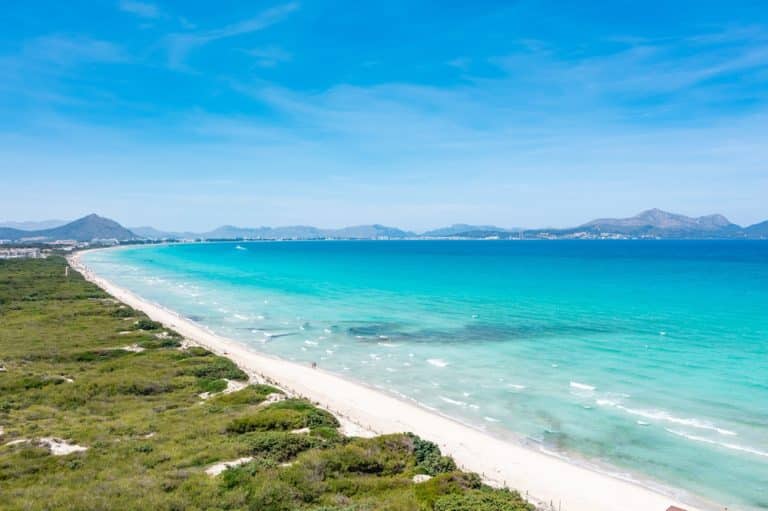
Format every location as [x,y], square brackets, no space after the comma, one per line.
[543,478]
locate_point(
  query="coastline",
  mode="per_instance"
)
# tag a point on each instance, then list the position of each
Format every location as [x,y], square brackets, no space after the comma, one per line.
[543,478]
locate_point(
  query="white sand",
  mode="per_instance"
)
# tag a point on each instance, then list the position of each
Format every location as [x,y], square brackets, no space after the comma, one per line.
[59,447]
[544,478]
[232,386]
[218,468]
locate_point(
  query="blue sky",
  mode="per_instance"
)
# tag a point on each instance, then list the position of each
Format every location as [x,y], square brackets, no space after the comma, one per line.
[191,114]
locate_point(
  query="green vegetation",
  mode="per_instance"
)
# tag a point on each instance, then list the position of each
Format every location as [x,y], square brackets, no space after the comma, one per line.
[150,437]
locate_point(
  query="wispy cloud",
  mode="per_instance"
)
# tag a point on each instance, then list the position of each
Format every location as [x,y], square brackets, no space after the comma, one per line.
[180,44]
[63,50]
[141,9]
[269,56]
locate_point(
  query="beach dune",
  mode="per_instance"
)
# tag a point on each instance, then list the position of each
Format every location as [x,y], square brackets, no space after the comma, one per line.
[545,479]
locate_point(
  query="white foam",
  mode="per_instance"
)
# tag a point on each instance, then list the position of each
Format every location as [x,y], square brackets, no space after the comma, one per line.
[240,248]
[491,419]
[582,386]
[727,445]
[662,416]
[453,401]
[516,386]
[388,345]
[437,362]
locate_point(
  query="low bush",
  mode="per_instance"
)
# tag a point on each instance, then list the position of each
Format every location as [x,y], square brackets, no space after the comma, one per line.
[483,500]
[214,367]
[282,446]
[428,457]
[147,324]
[268,420]
[124,312]
[315,417]
[251,395]
[429,492]
[99,355]
[144,387]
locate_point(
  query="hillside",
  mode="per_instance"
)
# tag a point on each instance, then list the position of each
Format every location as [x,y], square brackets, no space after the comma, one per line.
[102,408]
[33,225]
[83,229]
[658,220]
[461,229]
[758,230]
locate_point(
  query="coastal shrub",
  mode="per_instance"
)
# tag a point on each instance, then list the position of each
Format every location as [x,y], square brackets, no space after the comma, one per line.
[327,433]
[211,385]
[272,495]
[144,387]
[483,500]
[124,312]
[268,419]
[28,382]
[428,457]
[194,351]
[99,355]
[366,486]
[282,446]
[153,344]
[214,367]
[147,324]
[307,478]
[429,492]
[251,395]
[315,417]
[384,455]
[241,475]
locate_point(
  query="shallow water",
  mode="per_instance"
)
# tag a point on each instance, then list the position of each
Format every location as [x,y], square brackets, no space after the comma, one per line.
[649,356]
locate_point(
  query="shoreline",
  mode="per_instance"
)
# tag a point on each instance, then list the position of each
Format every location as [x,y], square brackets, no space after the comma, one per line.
[542,478]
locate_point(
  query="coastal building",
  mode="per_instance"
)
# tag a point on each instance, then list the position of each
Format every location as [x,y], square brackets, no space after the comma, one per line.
[21,253]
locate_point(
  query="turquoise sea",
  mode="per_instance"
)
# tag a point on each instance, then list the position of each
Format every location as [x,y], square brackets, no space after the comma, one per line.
[647,358]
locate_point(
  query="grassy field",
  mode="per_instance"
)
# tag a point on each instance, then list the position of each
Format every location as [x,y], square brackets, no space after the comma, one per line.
[78,366]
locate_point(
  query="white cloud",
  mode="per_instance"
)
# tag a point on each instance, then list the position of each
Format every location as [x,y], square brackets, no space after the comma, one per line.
[269,56]
[69,50]
[141,9]
[180,44]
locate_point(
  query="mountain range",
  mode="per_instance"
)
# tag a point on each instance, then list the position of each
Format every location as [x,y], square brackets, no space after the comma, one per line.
[653,223]
[88,228]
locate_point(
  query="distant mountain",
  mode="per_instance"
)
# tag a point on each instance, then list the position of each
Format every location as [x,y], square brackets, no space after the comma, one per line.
[487,234]
[757,230]
[367,232]
[84,229]
[33,226]
[288,232]
[306,232]
[662,220]
[155,234]
[460,229]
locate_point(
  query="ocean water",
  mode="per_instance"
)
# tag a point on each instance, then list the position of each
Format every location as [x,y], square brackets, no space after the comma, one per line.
[647,358]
